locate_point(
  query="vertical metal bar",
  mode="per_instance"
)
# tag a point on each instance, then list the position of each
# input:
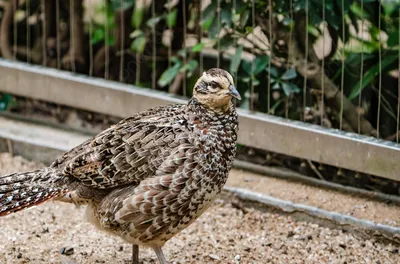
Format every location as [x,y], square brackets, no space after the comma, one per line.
[361,69]
[270,51]
[398,91]
[253,23]
[90,43]
[44,33]
[380,71]
[306,63]
[122,51]
[219,31]
[28,31]
[201,36]
[72,35]
[137,54]
[291,15]
[184,45]
[154,53]
[342,73]
[106,44]
[323,64]
[170,36]
[137,79]
[58,37]
[236,41]
[15,29]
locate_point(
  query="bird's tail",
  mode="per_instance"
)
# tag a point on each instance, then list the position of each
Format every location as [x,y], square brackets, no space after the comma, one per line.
[23,190]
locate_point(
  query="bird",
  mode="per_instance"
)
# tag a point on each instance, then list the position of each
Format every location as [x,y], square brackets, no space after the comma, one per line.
[147,177]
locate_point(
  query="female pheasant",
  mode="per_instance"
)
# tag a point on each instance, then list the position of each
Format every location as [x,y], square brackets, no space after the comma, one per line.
[147,177]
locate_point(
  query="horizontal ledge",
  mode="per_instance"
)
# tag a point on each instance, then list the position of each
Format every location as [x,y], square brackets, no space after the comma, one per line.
[293,138]
[287,206]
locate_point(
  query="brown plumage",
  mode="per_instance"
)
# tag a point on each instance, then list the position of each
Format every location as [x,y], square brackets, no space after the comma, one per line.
[149,176]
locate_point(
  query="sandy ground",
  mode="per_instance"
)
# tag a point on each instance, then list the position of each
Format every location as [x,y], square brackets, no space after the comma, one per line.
[223,234]
[360,207]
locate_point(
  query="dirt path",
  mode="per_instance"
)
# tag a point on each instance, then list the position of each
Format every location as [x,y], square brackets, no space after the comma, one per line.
[222,235]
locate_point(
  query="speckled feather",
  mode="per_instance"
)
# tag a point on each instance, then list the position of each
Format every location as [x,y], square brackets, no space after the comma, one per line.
[147,177]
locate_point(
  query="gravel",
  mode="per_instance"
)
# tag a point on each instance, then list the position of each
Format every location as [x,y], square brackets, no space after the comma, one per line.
[224,234]
[357,206]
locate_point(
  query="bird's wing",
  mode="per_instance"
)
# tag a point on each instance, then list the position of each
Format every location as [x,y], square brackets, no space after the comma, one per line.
[128,152]
[161,205]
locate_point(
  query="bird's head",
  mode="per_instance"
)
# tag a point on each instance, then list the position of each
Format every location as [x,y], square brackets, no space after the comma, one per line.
[215,90]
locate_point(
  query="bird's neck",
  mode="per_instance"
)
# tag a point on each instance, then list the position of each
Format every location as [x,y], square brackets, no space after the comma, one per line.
[202,114]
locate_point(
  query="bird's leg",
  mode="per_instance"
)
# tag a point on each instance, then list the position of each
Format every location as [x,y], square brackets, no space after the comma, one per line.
[160,255]
[135,254]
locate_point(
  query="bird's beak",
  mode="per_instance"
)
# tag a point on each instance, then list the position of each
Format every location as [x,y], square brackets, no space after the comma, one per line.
[234,93]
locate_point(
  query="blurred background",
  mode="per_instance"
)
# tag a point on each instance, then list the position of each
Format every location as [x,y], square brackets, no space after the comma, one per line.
[330,63]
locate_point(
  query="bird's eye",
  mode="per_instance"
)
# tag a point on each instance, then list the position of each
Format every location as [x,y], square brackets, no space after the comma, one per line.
[214,85]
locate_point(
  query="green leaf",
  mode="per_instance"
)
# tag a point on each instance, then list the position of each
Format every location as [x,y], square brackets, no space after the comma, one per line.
[226,16]
[98,35]
[210,11]
[198,47]
[256,66]
[136,33]
[246,66]
[289,88]
[182,53]
[235,62]
[260,63]
[289,74]
[276,86]
[370,75]
[249,30]
[169,75]
[6,101]
[244,17]
[344,6]
[153,21]
[273,71]
[214,29]
[121,4]
[393,40]
[170,18]
[137,17]
[246,79]
[256,82]
[139,44]
[226,42]
[190,66]
[207,24]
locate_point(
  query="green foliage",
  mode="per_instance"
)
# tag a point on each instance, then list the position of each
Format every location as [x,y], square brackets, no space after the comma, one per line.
[169,74]
[6,101]
[282,82]
[107,23]
[365,38]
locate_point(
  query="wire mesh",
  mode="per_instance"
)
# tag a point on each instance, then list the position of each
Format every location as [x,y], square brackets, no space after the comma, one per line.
[308,74]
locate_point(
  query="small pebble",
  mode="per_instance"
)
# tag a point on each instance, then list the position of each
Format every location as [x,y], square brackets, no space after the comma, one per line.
[66,251]
[214,257]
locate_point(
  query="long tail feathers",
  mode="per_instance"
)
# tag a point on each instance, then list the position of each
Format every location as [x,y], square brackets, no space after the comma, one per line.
[19,191]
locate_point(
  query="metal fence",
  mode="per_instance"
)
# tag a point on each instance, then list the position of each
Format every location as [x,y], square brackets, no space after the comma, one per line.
[333,65]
